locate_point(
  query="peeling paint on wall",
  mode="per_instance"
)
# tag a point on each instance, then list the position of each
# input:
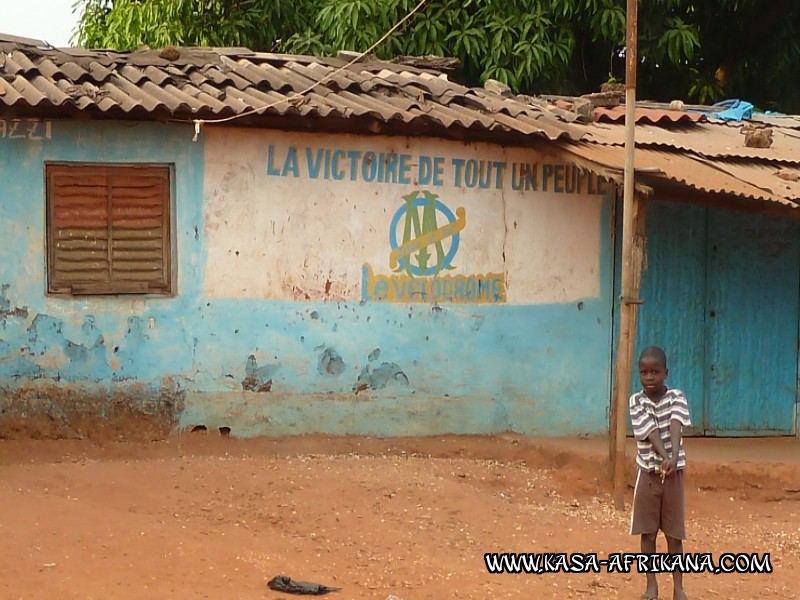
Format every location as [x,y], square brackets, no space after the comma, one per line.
[257,379]
[6,309]
[379,377]
[331,363]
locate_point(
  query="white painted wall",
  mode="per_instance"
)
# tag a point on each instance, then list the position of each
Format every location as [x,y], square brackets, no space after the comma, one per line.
[286,236]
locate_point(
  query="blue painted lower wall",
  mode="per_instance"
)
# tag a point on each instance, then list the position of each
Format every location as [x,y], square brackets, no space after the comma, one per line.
[266,366]
[278,368]
[404,370]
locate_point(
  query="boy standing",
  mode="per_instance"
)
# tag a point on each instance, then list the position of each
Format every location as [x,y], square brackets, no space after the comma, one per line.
[658,414]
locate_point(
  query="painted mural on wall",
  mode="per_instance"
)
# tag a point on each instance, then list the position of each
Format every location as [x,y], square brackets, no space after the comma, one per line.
[424,237]
[396,220]
[272,329]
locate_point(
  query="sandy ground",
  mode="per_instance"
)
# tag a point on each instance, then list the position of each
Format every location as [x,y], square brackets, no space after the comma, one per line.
[202,516]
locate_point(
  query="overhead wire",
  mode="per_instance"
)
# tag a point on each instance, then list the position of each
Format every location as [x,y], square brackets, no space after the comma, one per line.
[198,123]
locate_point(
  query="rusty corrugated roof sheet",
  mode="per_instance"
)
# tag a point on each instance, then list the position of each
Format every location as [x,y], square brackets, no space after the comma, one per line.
[616,114]
[766,181]
[713,139]
[644,113]
[694,149]
[213,83]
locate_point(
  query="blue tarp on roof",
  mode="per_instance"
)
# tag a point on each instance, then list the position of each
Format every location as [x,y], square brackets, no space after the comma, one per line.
[735,110]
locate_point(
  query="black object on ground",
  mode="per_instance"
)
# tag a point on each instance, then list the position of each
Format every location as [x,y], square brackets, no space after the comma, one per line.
[282,583]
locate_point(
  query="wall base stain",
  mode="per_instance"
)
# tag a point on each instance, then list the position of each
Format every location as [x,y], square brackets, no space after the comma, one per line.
[376,414]
[135,411]
[250,384]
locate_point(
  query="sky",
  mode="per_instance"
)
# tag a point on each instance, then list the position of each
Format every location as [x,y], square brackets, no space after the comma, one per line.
[49,20]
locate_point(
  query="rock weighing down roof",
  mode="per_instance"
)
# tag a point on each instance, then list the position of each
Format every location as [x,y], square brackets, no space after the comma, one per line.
[684,148]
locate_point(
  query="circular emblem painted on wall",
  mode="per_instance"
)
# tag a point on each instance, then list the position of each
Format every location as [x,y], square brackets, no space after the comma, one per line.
[418,241]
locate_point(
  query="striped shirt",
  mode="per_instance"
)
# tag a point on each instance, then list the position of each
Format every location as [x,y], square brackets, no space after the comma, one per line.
[648,416]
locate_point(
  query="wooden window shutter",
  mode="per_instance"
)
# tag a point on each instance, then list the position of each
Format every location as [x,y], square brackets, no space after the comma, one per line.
[108,229]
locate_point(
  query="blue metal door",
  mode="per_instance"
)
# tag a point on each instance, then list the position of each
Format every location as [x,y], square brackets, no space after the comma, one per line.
[751,324]
[673,291]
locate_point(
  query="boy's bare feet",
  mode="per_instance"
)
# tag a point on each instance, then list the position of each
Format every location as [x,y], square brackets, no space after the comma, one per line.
[679,595]
[651,593]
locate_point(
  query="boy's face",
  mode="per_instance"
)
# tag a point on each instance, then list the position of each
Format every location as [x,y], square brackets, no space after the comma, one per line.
[652,374]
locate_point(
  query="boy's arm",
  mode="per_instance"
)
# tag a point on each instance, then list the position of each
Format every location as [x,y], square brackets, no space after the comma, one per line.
[644,427]
[675,427]
[678,420]
[655,439]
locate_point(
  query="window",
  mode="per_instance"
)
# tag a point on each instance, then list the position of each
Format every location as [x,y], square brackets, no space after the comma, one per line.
[108,229]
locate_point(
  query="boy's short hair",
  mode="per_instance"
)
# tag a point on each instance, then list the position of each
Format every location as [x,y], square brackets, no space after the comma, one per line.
[654,352]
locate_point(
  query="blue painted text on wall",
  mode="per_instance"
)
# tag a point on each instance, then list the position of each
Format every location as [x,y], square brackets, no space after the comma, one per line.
[339,164]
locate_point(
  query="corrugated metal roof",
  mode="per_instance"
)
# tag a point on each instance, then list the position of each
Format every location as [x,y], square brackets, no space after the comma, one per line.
[209,83]
[710,139]
[778,120]
[782,181]
[675,146]
[693,149]
[746,179]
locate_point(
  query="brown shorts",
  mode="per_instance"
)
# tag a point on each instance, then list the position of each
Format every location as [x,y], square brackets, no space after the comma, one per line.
[658,505]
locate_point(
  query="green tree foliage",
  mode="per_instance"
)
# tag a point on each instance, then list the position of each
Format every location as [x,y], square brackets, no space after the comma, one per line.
[698,50]
[129,24]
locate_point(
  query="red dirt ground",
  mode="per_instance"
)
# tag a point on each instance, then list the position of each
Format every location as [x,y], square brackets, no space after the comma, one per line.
[201,516]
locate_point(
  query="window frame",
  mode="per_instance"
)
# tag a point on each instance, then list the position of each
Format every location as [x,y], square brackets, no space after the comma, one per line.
[165,285]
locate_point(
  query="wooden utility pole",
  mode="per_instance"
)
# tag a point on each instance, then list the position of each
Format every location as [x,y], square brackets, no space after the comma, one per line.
[629,284]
